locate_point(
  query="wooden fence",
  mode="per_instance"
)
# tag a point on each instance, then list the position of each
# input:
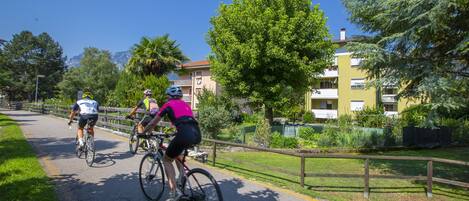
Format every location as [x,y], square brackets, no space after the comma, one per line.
[366,176]
[114,118]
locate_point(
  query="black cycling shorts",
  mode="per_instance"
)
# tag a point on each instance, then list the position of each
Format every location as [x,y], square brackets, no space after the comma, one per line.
[146,120]
[187,135]
[84,119]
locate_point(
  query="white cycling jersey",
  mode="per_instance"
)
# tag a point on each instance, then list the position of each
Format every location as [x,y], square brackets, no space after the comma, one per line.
[86,106]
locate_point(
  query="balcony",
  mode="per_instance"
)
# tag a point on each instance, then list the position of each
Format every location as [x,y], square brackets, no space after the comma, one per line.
[182,82]
[186,97]
[325,94]
[391,113]
[389,98]
[330,73]
[325,114]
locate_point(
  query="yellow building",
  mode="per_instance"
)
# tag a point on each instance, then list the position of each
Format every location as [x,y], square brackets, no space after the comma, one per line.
[343,89]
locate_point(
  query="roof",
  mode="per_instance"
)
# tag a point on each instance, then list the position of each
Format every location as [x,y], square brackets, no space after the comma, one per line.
[197,64]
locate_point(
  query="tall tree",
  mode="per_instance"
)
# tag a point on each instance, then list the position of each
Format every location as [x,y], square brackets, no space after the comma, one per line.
[422,45]
[156,56]
[25,57]
[96,71]
[269,50]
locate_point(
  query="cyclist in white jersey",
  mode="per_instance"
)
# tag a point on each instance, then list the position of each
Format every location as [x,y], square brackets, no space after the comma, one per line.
[88,109]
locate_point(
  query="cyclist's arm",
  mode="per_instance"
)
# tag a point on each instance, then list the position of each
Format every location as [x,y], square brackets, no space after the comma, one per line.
[134,110]
[75,108]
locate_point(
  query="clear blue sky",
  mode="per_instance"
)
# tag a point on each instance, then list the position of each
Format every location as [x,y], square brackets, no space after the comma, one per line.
[116,25]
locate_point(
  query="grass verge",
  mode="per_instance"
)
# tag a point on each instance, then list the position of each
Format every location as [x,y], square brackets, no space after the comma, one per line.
[21,175]
[275,169]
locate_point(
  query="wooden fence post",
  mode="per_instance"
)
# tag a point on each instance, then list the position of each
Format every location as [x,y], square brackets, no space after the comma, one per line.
[302,171]
[366,193]
[429,178]
[214,153]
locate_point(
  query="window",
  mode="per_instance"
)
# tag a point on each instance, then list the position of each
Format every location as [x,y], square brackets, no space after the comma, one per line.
[357,83]
[356,105]
[328,84]
[356,61]
[390,91]
[390,107]
[198,73]
[326,104]
[198,81]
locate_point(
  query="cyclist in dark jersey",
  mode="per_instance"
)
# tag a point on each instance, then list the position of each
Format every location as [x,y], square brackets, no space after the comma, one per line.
[188,132]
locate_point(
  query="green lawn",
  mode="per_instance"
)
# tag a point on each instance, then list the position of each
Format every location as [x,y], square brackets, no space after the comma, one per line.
[272,168]
[21,175]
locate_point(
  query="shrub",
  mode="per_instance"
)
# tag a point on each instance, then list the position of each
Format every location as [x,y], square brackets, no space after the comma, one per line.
[371,117]
[460,129]
[308,117]
[279,141]
[262,135]
[415,115]
[212,120]
[253,118]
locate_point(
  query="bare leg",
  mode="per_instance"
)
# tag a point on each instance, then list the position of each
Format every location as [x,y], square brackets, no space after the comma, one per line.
[170,173]
[180,167]
[140,128]
[80,133]
[91,131]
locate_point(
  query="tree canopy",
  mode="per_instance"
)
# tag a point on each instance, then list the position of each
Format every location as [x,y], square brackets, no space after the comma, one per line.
[155,56]
[96,71]
[268,50]
[25,57]
[422,45]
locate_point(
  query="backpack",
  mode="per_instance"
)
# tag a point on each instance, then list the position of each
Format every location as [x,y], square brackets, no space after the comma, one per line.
[151,106]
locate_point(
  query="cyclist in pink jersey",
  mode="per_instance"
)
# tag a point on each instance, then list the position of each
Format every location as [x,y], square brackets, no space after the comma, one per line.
[187,135]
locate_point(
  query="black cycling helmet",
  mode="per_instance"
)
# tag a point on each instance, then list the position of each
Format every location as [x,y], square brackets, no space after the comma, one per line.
[174,92]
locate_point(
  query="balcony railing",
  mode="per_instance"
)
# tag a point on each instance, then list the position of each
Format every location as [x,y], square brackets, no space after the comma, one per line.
[182,82]
[186,98]
[325,94]
[391,113]
[325,114]
[330,73]
[390,98]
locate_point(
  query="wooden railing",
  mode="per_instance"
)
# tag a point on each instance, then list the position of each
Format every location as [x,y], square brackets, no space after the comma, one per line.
[114,118]
[303,156]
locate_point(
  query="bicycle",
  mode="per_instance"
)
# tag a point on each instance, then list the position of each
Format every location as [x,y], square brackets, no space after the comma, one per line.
[194,184]
[88,147]
[133,137]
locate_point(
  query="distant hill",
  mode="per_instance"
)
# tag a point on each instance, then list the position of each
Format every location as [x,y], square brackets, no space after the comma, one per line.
[119,58]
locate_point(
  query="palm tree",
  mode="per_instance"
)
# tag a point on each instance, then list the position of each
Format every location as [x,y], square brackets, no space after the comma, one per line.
[155,56]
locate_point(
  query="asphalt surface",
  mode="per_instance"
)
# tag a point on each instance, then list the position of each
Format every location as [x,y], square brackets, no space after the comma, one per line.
[114,176]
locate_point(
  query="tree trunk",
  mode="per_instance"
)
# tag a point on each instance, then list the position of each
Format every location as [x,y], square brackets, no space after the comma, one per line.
[269,114]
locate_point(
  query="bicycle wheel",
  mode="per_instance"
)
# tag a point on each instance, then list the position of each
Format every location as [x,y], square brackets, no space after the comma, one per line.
[151,176]
[89,152]
[133,141]
[200,185]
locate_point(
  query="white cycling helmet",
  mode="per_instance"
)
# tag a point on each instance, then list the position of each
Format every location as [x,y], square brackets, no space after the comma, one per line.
[174,92]
[147,92]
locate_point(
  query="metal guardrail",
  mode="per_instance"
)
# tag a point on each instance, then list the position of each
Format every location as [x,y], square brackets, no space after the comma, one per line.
[303,156]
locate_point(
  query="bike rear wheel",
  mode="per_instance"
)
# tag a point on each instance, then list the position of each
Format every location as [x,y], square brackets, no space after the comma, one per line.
[89,152]
[133,141]
[200,185]
[151,176]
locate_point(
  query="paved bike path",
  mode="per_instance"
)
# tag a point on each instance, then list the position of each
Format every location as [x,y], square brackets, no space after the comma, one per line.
[114,176]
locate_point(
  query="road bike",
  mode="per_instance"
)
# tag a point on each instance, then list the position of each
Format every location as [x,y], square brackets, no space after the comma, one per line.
[195,184]
[88,147]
